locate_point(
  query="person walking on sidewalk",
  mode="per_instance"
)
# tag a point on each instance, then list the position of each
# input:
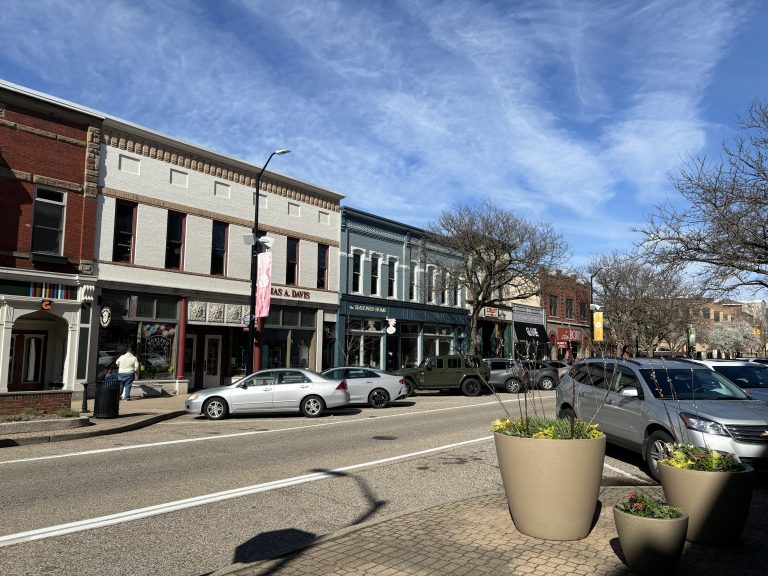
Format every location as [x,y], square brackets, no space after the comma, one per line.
[127,370]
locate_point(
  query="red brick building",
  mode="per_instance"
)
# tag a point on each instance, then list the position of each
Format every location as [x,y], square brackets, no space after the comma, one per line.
[49,162]
[566,303]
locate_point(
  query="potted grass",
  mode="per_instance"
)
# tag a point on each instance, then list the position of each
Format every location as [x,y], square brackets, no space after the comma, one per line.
[712,487]
[551,470]
[651,533]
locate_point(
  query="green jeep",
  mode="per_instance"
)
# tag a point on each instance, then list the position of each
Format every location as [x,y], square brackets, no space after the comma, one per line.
[446,373]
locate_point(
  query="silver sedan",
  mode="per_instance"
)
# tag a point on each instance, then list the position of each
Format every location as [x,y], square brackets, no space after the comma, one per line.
[369,386]
[275,390]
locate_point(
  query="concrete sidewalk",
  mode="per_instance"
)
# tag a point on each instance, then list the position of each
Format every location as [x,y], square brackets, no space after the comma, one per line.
[134,414]
[476,537]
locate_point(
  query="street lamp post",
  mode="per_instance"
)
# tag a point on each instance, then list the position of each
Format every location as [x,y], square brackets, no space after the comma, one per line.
[253,357]
[592,312]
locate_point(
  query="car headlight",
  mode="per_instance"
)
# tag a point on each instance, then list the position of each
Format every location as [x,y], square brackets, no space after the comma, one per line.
[703,425]
[194,396]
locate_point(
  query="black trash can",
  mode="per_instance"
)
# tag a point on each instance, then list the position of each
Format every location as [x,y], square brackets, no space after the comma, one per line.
[106,403]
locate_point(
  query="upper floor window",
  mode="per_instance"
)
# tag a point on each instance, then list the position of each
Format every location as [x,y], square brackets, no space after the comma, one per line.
[569,308]
[717,316]
[443,287]
[125,228]
[48,222]
[356,265]
[412,282]
[705,313]
[374,275]
[174,241]
[455,290]
[219,249]
[583,311]
[391,278]
[430,284]
[322,266]
[292,262]
[553,305]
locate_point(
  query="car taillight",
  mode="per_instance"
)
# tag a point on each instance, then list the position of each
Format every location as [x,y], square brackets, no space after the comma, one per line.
[342,385]
[401,381]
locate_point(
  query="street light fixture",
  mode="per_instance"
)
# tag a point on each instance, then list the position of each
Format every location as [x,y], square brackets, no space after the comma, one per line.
[253,357]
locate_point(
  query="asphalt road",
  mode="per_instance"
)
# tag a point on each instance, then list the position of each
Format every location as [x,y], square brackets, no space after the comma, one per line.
[189,496]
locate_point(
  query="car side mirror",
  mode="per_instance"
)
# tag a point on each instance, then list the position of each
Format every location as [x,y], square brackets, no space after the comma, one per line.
[243,385]
[630,391]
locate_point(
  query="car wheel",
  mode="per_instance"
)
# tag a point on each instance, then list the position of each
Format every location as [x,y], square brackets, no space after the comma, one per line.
[470,387]
[378,398]
[410,386]
[546,383]
[655,450]
[312,406]
[513,386]
[567,414]
[215,409]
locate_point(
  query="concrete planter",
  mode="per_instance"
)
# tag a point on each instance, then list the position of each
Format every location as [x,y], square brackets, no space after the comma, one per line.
[716,502]
[551,485]
[651,546]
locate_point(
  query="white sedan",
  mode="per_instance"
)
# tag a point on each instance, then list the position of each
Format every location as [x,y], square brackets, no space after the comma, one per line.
[369,386]
[275,390]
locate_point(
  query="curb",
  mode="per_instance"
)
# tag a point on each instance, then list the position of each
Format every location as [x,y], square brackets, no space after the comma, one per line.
[7,442]
[25,426]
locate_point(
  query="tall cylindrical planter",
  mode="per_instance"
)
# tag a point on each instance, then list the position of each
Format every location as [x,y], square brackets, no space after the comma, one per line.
[716,502]
[551,485]
[651,546]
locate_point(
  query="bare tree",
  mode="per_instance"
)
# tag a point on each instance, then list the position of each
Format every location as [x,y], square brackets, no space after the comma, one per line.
[724,226]
[645,304]
[505,254]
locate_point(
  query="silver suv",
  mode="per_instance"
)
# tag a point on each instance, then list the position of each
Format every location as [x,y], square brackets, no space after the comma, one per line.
[644,403]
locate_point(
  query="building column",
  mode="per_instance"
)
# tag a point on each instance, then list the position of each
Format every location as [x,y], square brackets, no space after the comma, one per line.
[6,334]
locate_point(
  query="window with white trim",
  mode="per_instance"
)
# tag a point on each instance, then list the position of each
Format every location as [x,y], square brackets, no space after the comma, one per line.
[48,221]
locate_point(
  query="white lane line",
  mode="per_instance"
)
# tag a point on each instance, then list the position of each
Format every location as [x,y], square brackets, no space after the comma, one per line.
[625,473]
[127,516]
[240,434]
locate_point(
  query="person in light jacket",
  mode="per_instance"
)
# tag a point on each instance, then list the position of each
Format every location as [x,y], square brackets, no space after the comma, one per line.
[127,370]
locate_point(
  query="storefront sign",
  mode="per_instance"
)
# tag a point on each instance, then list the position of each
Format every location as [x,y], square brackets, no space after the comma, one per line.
[562,345]
[491,312]
[391,325]
[105,317]
[367,308]
[46,304]
[569,334]
[291,293]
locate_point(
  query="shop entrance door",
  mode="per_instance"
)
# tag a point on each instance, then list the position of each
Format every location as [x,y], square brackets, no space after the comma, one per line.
[27,362]
[190,360]
[212,372]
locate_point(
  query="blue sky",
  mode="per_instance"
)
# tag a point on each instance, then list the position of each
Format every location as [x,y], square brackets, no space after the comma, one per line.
[574,112]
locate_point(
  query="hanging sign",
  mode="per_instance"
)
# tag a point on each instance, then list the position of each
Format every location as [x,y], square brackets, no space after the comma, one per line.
[263,284]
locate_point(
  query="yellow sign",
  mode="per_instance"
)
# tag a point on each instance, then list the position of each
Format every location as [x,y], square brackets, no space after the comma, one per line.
[46,304]
[756,331]
[597,323]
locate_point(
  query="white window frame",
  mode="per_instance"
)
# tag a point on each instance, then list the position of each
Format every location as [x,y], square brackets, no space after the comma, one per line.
[62,204]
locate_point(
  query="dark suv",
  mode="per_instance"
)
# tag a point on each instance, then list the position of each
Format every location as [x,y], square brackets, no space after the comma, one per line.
[645,403]
[518,375]
[445,373]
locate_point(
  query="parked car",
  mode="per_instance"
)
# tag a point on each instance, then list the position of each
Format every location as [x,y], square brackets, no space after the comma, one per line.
[749,376]
[369,386]
[447,373]
[561,367]
[517,375]
[645,403]
[274,390]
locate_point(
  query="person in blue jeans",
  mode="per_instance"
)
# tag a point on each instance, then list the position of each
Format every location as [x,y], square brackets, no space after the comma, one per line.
[127,370]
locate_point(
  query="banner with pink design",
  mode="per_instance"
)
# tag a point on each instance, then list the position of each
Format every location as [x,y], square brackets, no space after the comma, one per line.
[263,284]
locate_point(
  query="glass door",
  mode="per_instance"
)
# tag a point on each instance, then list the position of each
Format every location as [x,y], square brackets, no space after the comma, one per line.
[212,372]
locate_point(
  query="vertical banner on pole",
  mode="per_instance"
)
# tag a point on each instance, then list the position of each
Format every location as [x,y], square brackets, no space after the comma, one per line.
[597,319]
[263,284]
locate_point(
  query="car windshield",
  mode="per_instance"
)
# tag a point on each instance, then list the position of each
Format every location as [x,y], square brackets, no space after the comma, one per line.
[686,384]
[745,376]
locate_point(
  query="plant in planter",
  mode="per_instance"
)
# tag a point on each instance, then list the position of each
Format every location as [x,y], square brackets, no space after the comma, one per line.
[651,533]
[714,488]
[535,453]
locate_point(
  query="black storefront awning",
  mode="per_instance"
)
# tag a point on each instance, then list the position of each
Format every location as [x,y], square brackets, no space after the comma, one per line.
[536,332]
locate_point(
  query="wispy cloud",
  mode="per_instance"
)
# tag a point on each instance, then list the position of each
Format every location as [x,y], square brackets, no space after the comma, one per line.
[560,110]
